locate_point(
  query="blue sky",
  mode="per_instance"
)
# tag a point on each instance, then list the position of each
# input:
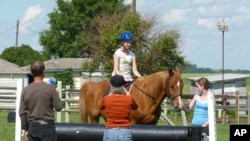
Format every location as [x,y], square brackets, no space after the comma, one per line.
[196,20]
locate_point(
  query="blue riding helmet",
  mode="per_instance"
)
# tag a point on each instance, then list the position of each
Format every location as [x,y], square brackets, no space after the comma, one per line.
[126,36]
[52,81]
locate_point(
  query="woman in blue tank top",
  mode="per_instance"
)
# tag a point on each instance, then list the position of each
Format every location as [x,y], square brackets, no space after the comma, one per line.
[200,105]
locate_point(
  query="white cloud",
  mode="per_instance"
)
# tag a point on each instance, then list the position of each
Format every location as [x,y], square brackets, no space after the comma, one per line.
[127,1]
[242,9]
[31,15]
[203,1]
[240,20]
[209,23]
[176,16]
[32,12]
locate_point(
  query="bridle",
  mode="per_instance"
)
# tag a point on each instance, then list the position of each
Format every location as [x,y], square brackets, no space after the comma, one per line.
[174,97]
[153,97]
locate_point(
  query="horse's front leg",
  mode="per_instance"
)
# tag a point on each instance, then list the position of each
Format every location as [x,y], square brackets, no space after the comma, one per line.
[142,118]
[94,117]
[150,119]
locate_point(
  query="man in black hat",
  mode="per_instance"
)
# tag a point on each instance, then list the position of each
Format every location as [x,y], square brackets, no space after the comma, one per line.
[118,105]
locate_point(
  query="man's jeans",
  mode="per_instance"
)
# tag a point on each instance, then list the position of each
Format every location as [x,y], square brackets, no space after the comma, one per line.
[117,134]
[42,132]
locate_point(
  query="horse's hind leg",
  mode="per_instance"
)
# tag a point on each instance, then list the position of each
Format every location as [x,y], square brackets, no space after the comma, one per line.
[84,117]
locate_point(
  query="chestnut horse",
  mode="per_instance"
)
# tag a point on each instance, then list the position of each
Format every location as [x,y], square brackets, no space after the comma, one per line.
[149,92]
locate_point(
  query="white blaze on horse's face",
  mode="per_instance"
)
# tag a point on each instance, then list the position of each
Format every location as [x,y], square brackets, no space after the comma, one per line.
[179,97]
[178,83]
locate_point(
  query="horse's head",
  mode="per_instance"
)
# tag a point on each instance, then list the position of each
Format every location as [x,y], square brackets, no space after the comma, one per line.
[175,88]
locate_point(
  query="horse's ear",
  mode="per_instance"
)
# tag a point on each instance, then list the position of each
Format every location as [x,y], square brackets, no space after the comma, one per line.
[180,69]
[171,72]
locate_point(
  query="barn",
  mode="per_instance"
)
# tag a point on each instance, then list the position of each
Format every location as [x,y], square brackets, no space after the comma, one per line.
[11,73]
[60,64]
[232,83]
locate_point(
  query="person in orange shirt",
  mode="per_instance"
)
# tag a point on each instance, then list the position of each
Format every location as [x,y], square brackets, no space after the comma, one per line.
[118,105]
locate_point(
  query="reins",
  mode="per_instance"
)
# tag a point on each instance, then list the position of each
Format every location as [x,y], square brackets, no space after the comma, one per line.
[152,96]
[146,93]
[149,95]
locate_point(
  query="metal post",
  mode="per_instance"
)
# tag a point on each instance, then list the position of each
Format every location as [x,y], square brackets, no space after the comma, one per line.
[17,30]
[223,27]
[222,88]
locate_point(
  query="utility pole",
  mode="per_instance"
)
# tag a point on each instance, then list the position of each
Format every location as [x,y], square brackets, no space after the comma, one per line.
[17,29]
[134,6]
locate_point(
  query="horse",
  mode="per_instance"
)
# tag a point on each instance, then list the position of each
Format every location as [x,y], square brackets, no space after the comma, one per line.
[149,91]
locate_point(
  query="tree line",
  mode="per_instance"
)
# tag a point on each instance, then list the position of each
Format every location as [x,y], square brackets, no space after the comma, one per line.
[194,69]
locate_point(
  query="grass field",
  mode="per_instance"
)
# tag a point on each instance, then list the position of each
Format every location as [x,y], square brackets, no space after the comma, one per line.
[7,130]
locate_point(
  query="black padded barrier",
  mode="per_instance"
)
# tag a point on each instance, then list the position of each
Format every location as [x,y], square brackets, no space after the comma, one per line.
[94,132]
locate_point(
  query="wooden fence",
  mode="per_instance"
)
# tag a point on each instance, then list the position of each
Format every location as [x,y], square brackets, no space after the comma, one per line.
[8,98]
[239,104]
[70,98]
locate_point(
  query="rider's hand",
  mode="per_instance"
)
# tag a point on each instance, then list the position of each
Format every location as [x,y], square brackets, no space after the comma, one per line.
[128,79]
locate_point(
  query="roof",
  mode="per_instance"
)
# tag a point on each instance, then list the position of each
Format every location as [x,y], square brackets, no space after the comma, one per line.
[60,64]
[10,68]
[227,77]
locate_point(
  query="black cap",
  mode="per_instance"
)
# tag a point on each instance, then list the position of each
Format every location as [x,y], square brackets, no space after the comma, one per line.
[117,81]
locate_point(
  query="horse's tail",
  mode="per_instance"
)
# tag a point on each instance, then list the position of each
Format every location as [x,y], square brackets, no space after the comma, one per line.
[81,103]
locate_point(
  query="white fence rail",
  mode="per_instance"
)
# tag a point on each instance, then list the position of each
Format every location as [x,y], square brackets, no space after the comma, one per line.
[8,89]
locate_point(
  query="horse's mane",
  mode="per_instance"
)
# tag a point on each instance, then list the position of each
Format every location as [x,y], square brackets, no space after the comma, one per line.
[155,77]
[157,80]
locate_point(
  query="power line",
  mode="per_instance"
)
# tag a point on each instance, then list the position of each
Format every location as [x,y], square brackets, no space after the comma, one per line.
[7,29]
[29,28]
[13,27]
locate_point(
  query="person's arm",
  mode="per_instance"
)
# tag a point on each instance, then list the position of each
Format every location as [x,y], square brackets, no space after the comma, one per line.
[205,124]
[23,113]
[57,103]
[192,103]
[26,134]
[189,107]
[23,116]
[134,68]
[101,105]
[134,104]
[116,65]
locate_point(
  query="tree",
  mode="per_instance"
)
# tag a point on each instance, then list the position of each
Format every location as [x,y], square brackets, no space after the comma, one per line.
[155,51]
[71,23]
[21,56]
[66,77]
[91,28]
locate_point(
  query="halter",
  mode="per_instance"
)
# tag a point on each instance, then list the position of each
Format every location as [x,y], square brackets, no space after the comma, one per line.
[154,98]
[173,98]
